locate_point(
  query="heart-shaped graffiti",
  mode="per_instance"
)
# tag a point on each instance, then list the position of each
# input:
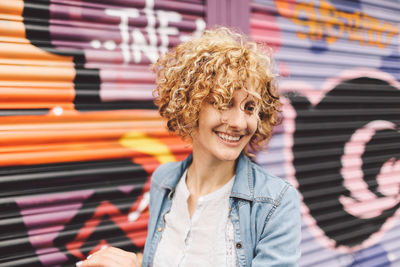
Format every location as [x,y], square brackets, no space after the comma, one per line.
[346,152]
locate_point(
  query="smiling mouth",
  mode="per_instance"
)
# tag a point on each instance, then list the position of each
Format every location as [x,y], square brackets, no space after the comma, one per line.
[228,137]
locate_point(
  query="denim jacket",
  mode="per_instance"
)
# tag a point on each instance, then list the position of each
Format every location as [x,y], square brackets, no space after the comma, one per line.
[265,212]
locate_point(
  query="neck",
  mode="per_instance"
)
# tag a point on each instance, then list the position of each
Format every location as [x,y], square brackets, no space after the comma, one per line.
[206,175]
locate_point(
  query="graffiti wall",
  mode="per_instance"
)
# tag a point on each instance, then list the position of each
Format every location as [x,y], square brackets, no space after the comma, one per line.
[340,140]
[80,136]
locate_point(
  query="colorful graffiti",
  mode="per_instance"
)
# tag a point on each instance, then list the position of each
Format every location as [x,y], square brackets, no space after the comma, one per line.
[323,21]
[341,132]
[353,171]
[80,136]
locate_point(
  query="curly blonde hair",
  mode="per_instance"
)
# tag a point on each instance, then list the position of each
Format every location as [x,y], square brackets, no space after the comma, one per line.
[211,68]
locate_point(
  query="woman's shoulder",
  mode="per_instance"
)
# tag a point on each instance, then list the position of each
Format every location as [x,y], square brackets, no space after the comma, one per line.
[270,187]
[163,171]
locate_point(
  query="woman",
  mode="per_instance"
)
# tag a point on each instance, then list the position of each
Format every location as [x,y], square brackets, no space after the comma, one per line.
[217,207]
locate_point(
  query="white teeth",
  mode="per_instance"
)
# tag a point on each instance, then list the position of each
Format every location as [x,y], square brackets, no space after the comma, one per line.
[229,137]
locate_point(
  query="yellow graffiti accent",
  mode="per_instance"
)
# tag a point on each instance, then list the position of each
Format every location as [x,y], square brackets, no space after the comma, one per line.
[328,23]
[140,142]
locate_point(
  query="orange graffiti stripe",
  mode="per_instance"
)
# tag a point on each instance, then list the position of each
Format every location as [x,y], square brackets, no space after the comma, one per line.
[14,7]
[13,138]
[22,53]
[13,29]
[80,137]
[31,105]
[11,10]
[127,118]
[72,152]
[32,95]
[36,73]
[55,85]
[27,66]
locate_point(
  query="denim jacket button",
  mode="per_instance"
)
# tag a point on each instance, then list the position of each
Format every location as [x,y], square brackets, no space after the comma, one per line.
[159,229]
[238,245]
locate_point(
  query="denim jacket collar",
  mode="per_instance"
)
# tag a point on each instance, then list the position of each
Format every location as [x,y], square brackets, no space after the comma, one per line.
[242,188]
[244,184]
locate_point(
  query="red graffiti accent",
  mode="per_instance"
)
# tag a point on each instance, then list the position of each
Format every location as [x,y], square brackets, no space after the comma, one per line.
[148,163]
[105,208]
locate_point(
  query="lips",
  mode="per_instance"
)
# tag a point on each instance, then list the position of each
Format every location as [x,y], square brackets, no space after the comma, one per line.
[228,137]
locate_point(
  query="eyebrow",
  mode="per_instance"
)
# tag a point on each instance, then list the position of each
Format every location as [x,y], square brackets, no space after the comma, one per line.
[250,97]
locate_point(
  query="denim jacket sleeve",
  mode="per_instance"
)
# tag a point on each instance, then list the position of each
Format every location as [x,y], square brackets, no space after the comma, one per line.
[154,210]
[163,180]
[279,244]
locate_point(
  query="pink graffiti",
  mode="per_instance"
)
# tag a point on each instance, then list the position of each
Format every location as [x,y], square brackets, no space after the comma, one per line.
[359,204]
[388,178]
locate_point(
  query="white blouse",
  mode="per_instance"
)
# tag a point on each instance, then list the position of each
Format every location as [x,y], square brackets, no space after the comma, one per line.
[206,239]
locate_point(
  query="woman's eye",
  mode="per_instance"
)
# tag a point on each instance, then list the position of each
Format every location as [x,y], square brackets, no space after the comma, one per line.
[250,108]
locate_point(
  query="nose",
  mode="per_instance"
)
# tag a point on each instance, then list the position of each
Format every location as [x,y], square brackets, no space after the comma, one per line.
[235,118]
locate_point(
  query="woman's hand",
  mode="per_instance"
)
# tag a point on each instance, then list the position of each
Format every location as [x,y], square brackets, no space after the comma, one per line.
[112,257]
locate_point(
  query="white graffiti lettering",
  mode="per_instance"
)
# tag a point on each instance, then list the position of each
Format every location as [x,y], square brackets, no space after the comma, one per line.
[136,42]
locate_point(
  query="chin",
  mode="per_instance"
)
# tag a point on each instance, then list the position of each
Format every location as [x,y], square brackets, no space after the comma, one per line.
[228,155]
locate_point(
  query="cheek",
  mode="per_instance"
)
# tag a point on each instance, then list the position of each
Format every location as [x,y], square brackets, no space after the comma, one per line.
[253,125]
[210,120]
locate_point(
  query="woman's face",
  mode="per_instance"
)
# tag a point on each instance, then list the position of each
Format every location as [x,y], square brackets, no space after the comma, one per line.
[224,134]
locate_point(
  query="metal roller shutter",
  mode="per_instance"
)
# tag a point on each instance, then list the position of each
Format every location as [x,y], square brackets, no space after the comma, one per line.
[79,133]
[339,143]
[80,137]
